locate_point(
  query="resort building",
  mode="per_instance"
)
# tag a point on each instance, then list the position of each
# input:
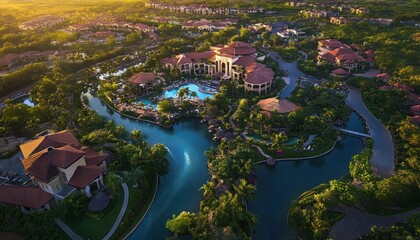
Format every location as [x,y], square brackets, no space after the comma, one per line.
[339,54]
[60,165]
[201,9]
[233,61]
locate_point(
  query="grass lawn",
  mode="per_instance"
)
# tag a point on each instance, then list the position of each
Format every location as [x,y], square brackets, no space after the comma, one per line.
[293,154]
[90,228]
[133,200]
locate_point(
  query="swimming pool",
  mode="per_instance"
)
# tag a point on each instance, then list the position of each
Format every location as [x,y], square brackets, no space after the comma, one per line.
[173,93]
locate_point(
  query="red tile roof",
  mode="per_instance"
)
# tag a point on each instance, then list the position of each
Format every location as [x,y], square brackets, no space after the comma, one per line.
[245,61]
[238,48]
[200,55]
[31,197]
[415,108]
[340,71]
[43,164]
[415,119]
[383,75]
[258,74]
[143,78]
[84,175]
[58,139]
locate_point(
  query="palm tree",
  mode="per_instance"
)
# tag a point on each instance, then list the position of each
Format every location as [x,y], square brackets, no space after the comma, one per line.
[209,189]
[136,136]
[113,182]
[134,176]
[193,94]
[245,190]
[183,92]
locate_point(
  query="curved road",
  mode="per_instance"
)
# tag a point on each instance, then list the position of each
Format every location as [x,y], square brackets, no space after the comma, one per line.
[382,161]
[292,72]
[357,223]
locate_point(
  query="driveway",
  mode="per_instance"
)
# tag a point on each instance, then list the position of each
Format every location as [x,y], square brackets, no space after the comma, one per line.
[382,161]
[292,72]
[357,223]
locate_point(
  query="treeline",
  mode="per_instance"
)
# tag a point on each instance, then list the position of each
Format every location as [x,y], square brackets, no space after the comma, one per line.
[28,74]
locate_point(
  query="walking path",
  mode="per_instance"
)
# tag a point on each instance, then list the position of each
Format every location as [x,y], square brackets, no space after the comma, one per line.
[357,223]
[382,161]
[72,235]
[121,214]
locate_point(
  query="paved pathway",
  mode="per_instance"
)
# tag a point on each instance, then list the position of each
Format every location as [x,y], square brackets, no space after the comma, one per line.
[292,72]
[357,223]
[121,214]
[382,161]
[67,230]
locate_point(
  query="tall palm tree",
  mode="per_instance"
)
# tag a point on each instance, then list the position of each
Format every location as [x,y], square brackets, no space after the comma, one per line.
[113,182]
[136,136]
[134,176]
[244,189]
[183,93]
[193,94]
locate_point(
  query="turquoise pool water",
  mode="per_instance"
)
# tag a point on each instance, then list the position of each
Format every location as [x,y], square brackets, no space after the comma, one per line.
[173,93]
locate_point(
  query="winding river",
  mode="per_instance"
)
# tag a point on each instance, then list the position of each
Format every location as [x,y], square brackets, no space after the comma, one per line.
[179,190]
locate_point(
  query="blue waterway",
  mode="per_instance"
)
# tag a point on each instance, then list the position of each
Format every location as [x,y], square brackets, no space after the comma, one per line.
[277,187]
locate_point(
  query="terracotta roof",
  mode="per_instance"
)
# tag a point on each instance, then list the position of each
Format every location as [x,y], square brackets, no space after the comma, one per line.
[383,75]
[42,165]
[370,56]
[340,71]
[245,61]
[58,139]
[94,158]
[143,78]
[31,197]
[183,59]
[200,55]
[415,108]
[258,73]
[278,105]
[239,44]
[173,60]
[331,43]
[414,97]
[8,59]
[238,51]
[84,175]
[415,119]
[10,236]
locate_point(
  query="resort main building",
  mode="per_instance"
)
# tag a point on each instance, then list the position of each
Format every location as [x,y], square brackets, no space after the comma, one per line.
[233,61]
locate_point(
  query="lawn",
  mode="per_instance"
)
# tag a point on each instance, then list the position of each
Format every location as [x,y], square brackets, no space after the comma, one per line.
[133,201]
[90,228]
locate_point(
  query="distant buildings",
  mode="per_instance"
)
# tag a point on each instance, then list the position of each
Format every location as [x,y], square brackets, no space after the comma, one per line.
[41,22]
[205,24]
[339,54]
[111,25]
[342,20]
[313,13]
[201,9]
[233,61]
[272,27]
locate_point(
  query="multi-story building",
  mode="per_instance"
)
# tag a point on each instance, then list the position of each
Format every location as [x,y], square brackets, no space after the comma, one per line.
[233,61]
[339,54]
[41,22]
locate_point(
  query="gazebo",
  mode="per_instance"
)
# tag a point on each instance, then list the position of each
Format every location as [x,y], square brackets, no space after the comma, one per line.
[144,80]
[278,105]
